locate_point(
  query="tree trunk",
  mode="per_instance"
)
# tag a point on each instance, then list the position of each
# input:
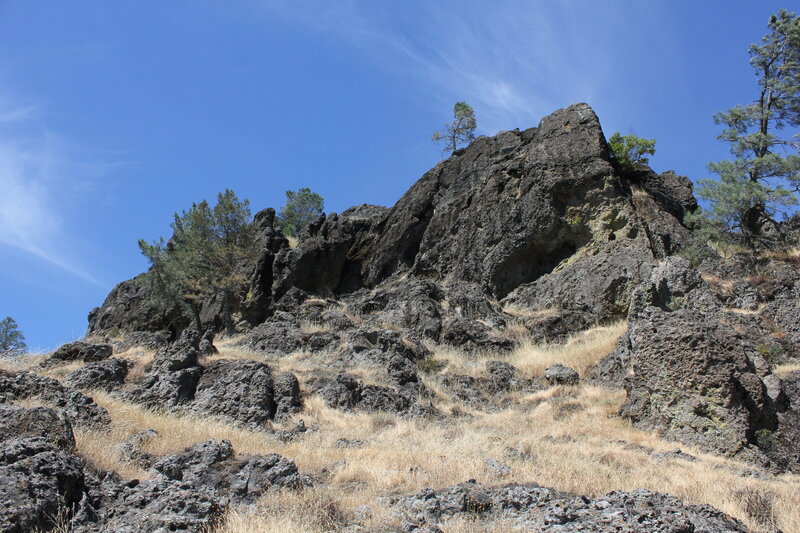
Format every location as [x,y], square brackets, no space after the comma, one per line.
[196,314]
[229,329]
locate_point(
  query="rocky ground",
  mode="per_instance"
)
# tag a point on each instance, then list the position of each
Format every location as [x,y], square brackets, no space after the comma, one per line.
[514,346]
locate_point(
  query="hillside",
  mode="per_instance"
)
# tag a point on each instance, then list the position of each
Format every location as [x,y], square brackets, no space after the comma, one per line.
[515,345]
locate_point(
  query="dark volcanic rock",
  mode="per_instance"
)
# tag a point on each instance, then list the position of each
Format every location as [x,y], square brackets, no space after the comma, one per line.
[38,481]
[559,374]
[240,390]
[165,389]
[288,399]
[154,505]
[347,393]
[534,508]
[80,409]
[127,307]
[540,218]
[693,380]
[82,351]
[19,422]
[473,335]
[106,375]
[280,337]
[211,465]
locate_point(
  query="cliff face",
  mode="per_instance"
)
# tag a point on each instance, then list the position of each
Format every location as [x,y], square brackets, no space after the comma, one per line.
[537,218]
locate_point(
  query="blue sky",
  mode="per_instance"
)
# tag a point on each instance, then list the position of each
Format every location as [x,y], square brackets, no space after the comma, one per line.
[114,115]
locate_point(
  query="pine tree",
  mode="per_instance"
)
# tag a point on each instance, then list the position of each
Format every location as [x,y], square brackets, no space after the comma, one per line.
[461,130]
[204,257]
[753,186]
[630,151]
[12,341]
[302,207]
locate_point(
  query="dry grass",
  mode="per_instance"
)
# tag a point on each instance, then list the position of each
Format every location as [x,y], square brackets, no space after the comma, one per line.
[293,241]
[580,351]
[786,369]
[569,438]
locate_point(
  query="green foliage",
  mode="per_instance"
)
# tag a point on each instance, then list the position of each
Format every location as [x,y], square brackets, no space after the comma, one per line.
[12,341]
[460,131]
[203,259]
[772,353]
[630,151]
[302,207]
[751,185]
[765,439]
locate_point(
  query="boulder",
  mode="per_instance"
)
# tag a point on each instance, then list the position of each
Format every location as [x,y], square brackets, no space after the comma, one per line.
[236,389]
[347,393]
[79,408]
[694,381]
[212,466]
[39,482]
[559,374]
[288,399]
[536,508]
[473,335]
[104,375]
[19,422]
[82,351]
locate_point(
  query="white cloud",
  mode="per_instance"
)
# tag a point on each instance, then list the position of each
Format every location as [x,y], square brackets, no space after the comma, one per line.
[513,61]
[32,187]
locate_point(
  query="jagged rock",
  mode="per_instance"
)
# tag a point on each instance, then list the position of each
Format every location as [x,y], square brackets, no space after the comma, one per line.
[237,389]
[154,505]
[212,466]
[131,449]
[556,326]
[145,339]
[473,335]
[279,337]
[527,217]
[501,375]
[105,375]
[347,393]
[674,284]
[693,380]
[80,409]
[82,351]
[18,422]
[559,374]
[535,508]
[127,307]
[328,243]
[206,345]
[287,395]
[38,482]
[165,389]
[411,304]
[172,377]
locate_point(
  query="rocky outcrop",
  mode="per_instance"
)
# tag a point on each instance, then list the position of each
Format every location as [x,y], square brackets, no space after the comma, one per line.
[239,390]
[531,507]
[693,379]
[40,483]
[105,375]
[526,217]
[49,424]
[347,393]
[82,351]
[79,408]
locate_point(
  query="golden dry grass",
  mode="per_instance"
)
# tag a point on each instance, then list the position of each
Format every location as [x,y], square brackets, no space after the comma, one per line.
[580,351]
[569,438]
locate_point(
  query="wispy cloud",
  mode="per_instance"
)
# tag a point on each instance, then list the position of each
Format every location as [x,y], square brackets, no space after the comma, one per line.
[32,189]
[514,61]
